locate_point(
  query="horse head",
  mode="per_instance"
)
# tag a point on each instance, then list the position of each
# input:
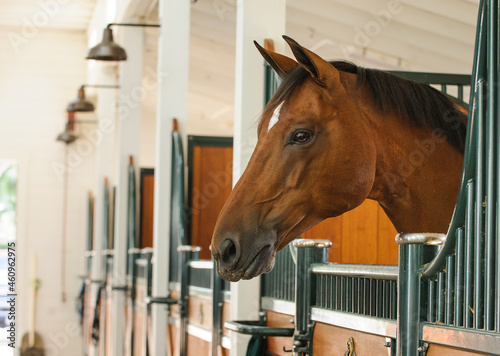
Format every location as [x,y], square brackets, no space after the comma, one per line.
[314,159]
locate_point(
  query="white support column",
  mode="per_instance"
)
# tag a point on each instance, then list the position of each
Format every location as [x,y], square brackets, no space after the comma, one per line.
[128,126]
[173,64]
[106,118]
[255,20]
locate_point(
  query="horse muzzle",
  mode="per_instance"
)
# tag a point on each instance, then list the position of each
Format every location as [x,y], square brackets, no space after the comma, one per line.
[236,261]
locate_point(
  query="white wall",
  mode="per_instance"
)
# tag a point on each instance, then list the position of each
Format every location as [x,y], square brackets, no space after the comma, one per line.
[37,80]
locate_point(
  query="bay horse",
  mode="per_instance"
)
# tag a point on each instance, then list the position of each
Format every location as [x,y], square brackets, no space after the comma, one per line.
[333,135]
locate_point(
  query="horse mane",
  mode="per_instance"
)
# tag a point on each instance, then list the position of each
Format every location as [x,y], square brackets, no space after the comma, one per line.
[419,104]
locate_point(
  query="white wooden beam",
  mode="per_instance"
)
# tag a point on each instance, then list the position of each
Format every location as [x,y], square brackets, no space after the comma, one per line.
[173,64]
[129,125]
[255,20]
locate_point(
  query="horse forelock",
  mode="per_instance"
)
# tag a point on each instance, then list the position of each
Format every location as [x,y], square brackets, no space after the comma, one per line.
[419,104]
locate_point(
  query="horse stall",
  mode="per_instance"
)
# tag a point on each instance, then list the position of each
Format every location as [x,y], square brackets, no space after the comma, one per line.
[199,298]
[442,298]
[355,292]
[142,270]
[85,304]
[96,314]
[97,318]
[195,322]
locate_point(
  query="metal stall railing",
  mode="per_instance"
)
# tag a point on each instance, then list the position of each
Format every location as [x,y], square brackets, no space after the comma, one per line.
[459,302]
[84,305]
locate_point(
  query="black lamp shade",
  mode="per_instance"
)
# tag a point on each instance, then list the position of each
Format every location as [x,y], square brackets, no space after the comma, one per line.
[80,104]
[67,136]
[107,50]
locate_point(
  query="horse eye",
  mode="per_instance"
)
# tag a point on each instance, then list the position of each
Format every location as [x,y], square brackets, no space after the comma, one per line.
[302,137]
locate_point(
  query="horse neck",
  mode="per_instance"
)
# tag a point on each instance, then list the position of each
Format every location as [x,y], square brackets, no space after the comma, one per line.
[417,175]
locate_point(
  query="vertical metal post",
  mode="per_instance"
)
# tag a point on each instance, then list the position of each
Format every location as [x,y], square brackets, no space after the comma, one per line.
[440,308]
[148,254]
[412,256]
[308,252]
[479,199]
[431,301]
[186,254]
[449,290]
[410,260]
[217,303]
[132,255]
[469,256]
[491,161]
[459,279]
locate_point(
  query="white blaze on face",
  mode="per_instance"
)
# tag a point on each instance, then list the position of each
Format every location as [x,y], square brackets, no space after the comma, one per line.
[275,117]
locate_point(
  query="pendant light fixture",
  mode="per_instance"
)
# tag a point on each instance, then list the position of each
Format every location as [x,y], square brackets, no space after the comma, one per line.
[81,104]
[67,136]
[107,49]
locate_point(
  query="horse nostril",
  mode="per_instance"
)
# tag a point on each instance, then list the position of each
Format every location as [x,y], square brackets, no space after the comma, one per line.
[228,252]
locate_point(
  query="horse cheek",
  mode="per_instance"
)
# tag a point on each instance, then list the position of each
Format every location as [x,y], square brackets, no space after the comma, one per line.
[295,177]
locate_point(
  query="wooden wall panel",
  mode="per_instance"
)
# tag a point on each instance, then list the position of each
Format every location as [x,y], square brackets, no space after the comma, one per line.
[387,245]
[363,235]
[359,234]
[275,344]
[172,340]
[140,311]
[109,324]
[438,350]
[200,311]
[139,344]
[332,340]
[146,209]
[329,229]
[196,346]
[127,349]
[211,185]
[226,316]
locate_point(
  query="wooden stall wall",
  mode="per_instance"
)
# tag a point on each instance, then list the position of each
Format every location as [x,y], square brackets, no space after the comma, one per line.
[362,235]
[210,162]
[147,184]
[210,167]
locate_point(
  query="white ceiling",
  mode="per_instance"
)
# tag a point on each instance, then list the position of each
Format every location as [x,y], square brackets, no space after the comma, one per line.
[421,35]
[69,15]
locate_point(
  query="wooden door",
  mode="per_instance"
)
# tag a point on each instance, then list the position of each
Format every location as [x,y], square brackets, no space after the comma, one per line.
[210,162]
[147,181]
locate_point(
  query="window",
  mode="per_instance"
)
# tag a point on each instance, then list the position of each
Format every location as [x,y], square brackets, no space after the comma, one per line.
[8,230]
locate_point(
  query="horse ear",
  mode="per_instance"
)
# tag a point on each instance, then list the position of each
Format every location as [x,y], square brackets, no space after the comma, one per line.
[283,65]
[320,70]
